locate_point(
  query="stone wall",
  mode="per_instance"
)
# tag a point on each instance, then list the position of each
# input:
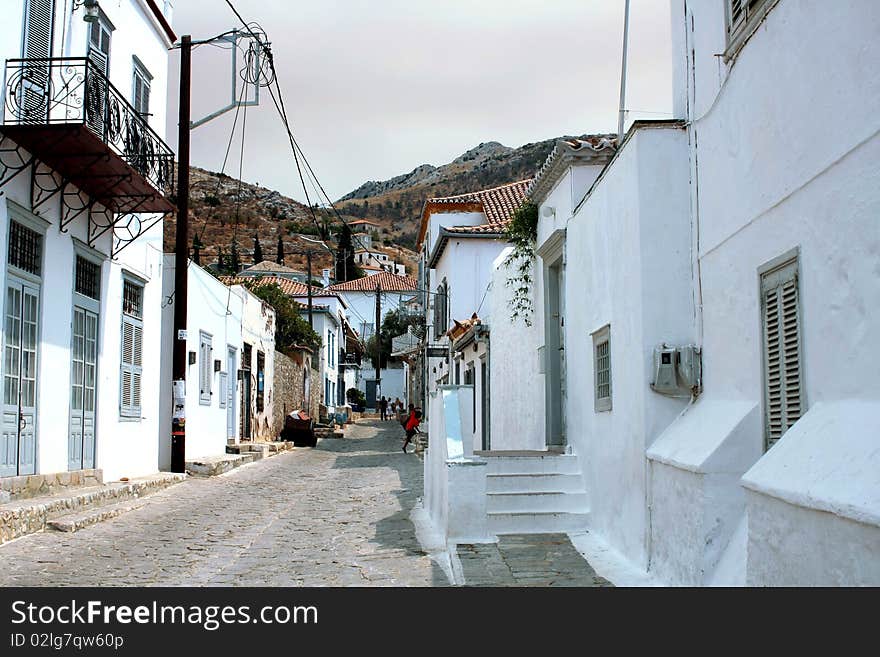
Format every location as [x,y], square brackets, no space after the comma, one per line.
[288,382]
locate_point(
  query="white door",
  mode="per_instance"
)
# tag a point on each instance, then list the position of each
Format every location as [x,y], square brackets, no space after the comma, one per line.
[231,389]
[18,438]
[83,367]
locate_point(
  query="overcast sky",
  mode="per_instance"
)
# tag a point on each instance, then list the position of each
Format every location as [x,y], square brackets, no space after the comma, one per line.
[374,88]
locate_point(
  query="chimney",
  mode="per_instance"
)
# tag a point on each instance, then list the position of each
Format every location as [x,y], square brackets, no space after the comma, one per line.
[325,277]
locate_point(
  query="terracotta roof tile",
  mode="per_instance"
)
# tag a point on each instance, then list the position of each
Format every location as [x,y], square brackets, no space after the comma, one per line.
[289,287]
[386,280]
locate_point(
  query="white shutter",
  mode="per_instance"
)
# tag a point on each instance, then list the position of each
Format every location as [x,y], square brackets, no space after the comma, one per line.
[39,24]
[131,367]
[223,389]
[783,396]
[205,365]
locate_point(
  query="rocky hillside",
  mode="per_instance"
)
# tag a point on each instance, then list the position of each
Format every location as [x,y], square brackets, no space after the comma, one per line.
[396,204]
[223,210]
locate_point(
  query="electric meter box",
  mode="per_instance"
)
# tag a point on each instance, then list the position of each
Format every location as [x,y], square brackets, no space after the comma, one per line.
[665,362]
[677,370]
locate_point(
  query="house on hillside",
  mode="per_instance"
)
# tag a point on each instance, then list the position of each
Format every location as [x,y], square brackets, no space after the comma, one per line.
[274,270]
[361,297]
[362,233]
[373,261]
[82,201]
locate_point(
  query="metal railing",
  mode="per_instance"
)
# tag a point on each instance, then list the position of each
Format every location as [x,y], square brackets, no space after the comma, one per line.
[73,90]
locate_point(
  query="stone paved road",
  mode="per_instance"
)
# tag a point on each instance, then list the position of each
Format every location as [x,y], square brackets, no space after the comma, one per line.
[526,560]
[336,515]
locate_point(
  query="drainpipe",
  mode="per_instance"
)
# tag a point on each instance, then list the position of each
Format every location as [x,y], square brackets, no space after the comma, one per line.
[622,112]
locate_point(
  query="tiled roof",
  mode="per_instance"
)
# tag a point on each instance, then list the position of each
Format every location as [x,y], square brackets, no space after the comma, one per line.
[386,280]
[482,229]
[289,287]
[269,266]
[497,203]
[593,149]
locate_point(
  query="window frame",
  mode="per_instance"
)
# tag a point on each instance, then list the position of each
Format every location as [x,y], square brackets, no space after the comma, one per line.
[774,274]
[206,367]
[737,36]
[600,337]
[131,411]
[141,74]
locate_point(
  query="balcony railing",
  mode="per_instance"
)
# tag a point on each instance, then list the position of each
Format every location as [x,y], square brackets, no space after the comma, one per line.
[74,90]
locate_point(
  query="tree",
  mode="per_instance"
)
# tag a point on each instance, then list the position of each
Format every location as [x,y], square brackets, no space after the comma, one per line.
[258,250]
[280,257]
[196,250]
[290,328]
[234,261]
[395,323]
[345,267]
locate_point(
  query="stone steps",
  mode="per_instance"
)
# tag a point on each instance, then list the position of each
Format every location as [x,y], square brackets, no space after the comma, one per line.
[76,521]
[533,522]
[31,515]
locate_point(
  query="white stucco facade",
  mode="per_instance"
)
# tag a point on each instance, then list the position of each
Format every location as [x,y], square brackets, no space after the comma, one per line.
[80,419]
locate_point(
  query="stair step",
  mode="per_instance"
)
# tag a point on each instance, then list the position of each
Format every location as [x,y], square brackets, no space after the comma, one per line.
[76,521]
[534,483]
[552,463]
[33,515]
[536,522]
[547,501]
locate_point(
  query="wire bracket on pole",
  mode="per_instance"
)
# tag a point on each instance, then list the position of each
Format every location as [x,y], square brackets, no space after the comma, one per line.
[255,50]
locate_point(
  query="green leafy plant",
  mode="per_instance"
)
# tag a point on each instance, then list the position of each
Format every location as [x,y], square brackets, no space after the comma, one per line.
[522,233]
[290,328]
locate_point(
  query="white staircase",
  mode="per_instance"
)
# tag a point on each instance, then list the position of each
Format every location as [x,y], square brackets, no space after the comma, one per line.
[534,493]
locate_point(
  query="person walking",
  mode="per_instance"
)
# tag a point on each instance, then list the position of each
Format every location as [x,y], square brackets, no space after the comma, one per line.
[397,408]
[411,426]
[383,408]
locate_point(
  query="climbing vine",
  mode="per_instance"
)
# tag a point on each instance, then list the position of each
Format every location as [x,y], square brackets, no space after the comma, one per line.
[522,233]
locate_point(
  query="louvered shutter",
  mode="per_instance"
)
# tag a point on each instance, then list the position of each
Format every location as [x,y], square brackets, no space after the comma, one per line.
[783,398]
[131,367]
[205,372]
[38,34]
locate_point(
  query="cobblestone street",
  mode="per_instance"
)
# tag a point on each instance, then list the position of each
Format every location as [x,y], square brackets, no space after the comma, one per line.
[335,515]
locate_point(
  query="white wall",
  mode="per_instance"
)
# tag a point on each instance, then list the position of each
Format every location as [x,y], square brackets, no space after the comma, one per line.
[440,219]
[516,371]
[627,264]
[217,310]
[258,329]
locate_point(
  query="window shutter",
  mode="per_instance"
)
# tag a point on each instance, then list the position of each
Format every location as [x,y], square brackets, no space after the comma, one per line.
[205,371]
[131,367]
[782,358]
[40,20]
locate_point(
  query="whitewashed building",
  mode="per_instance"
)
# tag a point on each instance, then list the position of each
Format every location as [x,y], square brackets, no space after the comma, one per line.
[460,238]
[360,300]
[84,179]
[701,318]
[257,363]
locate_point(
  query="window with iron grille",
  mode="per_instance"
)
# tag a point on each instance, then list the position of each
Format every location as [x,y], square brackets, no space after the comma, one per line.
[133,299]
[25,248]
[131,361]
[602,368]
[87,279]
[783,391]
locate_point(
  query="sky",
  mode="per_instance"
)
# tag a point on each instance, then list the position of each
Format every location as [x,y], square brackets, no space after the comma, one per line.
[374,88]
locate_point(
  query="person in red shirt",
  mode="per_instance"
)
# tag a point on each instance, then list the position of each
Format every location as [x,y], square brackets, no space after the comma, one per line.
[411,426]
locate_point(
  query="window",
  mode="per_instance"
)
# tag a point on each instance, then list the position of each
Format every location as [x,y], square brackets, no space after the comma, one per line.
[742,17]
[261,373]
[88,278]
[783,391]
[440,317]
[132,349]
[99,44]
[205,368]
[602,368]
[25,248]
[140,89]
[224,391]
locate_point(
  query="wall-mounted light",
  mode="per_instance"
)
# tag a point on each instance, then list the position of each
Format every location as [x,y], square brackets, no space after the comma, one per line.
[548,211]
[92,10]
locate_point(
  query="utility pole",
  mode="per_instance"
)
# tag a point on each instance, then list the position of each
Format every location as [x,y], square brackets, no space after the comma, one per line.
[378,341]
[623,75]
[309,286]
[181,249]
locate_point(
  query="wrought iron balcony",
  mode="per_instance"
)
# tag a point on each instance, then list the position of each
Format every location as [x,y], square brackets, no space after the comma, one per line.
[69,116]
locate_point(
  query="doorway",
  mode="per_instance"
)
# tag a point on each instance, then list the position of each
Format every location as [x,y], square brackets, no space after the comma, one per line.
[554,340]
[18,440]
[231,389]
[83,384]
